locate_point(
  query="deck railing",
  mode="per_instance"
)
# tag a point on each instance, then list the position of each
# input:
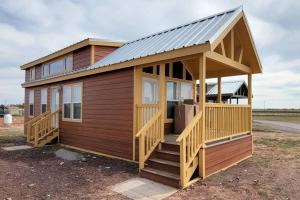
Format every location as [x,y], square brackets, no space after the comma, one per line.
[149,137]
[226,120]
[144,113]
[190,140]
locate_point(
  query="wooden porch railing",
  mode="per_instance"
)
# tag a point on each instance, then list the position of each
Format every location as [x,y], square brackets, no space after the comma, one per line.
[144,113]
[226,120]
[28,126]
[190,140]
[149,136]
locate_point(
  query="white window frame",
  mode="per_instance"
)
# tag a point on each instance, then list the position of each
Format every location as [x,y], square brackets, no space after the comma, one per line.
[32,74]
[44,89]
[31,92]
[71,119]
[156,92]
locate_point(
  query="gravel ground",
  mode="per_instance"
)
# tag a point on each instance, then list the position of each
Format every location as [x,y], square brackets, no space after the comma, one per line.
[272,173]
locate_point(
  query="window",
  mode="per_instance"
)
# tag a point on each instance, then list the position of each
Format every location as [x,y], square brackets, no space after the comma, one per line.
[186,91]
[178,70]
[44,100]
[57,67]
[148,70]
[32,74]
[72,97]
[31,103]
[172,91]
[150,91]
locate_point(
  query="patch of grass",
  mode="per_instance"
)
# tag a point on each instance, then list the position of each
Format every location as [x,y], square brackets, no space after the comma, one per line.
[261,128]
[283,118]
[263,193]
[277,143]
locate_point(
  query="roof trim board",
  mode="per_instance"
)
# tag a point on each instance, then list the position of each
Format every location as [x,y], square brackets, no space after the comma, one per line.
[73,47]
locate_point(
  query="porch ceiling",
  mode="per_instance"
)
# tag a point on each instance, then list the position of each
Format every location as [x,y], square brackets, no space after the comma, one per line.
[214,69]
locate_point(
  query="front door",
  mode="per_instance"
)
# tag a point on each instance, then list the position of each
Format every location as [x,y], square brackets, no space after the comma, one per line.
[55,106]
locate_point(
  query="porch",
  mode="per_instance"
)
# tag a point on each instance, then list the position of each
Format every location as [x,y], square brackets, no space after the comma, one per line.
[163,86]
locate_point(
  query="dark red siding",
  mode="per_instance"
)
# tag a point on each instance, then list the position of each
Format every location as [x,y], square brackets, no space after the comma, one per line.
[102,51]
[107,114]
[221,156]
[82,57]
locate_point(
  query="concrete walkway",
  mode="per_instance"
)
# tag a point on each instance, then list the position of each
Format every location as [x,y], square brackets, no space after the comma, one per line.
[143,189]
[282,126]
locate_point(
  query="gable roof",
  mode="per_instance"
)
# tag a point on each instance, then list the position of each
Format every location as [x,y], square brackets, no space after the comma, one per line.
[70,48]
[228,88]
[198,32]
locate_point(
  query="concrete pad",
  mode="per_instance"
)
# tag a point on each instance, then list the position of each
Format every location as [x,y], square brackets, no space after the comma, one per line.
[15,148]
[68,155]
[143,189]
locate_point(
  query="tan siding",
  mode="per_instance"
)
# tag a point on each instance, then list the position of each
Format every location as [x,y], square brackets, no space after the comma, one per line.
[82,57]
[221,156]
[107,114]
[102,51]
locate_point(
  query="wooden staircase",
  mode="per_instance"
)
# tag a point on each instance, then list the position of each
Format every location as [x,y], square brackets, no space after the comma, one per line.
[164,165]
[43,129]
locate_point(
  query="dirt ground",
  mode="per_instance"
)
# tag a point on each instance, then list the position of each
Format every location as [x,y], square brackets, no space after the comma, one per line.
[272,173]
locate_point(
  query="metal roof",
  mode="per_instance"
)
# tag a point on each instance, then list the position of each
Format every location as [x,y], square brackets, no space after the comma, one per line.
[198,32]
[228,87]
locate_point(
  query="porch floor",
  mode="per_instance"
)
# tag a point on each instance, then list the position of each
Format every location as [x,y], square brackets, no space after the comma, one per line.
[171,138]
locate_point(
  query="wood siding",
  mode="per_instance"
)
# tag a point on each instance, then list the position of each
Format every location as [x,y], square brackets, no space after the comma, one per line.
[221,156]
[107,113]
[102,51]
[82,57]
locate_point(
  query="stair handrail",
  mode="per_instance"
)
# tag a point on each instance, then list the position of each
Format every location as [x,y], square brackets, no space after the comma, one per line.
[28,124]
[149,137]
[190,141]
[43,127]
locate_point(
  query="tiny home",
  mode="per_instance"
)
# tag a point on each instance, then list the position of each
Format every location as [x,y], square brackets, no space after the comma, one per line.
[231,90]
[117,99]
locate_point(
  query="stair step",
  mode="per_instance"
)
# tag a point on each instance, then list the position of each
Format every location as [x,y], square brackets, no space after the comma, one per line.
[166,162]
[161,176]
[164,165]
[170,147]
[167,155]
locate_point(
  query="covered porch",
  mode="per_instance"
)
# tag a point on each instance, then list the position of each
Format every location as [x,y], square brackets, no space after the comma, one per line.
[160,87]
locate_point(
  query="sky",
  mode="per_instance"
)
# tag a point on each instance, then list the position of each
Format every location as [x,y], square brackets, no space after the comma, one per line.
[30,29]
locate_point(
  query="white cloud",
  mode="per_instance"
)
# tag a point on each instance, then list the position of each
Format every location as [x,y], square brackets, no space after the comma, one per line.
[33,28]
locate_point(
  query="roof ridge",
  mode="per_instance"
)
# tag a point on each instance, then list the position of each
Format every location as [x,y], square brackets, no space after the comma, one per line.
[185,24]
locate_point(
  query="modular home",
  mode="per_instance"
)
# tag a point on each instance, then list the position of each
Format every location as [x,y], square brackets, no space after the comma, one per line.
[125,100]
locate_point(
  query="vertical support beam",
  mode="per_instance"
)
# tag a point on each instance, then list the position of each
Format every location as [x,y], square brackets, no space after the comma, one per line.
[137,100]
[202,96]
[250,99]
[250,105]
[219,99]
[92,61]
[162,97]
[232,44]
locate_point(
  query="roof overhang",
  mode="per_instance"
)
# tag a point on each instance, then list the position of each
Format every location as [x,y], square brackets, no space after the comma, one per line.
[73,47]
[178,54]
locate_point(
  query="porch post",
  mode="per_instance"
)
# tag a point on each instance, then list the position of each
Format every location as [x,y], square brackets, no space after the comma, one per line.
[219,99]
[250,100]
[250,105]
[162,98]
[202,95]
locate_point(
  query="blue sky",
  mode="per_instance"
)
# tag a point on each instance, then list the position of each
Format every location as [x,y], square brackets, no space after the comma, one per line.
[34,28]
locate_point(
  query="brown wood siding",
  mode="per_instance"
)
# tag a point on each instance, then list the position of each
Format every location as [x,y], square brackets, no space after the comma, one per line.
[38,72]
[221,156]
[102,51]
[82,57]
[107,113]
[27,75]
